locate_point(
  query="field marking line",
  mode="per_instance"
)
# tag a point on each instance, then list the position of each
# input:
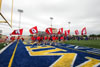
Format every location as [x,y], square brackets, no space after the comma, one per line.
[80,51]
[12,57]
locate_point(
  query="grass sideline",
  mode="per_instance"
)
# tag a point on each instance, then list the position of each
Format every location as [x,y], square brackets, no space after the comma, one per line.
[86,43]
[2,45]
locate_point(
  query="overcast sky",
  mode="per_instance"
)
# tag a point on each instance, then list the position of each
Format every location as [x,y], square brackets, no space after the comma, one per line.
[81,13]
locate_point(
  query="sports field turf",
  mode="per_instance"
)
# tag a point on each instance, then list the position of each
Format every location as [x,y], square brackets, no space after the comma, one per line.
[19,54]
[87,43]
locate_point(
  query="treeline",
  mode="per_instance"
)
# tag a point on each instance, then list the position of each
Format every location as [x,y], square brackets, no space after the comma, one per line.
[85,37]
[94,35]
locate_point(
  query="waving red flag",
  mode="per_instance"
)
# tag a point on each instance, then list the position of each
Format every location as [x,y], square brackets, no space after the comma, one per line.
[33,30]
[84,32]
[17,32]
[67,32]
[60,31]
[49,31]
[76,32]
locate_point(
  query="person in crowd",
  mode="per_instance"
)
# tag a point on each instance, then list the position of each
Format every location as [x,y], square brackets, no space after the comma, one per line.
[22,38]
[54,40]
[33,38]
[18,37]
[62,38]
[50,39]
[12,38]
[38,40]
[45,40]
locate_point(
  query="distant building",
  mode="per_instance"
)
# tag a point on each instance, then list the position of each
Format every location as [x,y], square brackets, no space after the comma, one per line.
[44,33]
[54,30]
[41,32]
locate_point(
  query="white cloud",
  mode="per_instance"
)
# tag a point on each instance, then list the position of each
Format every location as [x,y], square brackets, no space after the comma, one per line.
[81,13]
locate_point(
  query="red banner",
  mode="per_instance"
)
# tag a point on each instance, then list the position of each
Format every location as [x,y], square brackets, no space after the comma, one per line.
[17,32]
[76,32]
[49,31]
[67,32]
[60,31]
[84,32]
[33,30]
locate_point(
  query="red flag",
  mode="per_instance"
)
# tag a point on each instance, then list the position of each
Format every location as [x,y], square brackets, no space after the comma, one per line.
[60,31]
[67,32]
[84,32]
[33,30]
[17,32]
[76,32]
[49,31]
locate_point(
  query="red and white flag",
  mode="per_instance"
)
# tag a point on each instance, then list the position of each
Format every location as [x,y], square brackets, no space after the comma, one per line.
[76,32]
[33,30]
[49,31]
[17,32]
[60,31]
[67,32]
[84,32]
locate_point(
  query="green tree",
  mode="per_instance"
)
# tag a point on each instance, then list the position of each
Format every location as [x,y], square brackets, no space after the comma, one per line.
[30,35]
[93,35]
[0,35]
[98,35]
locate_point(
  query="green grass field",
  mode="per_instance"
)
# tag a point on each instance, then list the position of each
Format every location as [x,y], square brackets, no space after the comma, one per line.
[1,45]
[87,43]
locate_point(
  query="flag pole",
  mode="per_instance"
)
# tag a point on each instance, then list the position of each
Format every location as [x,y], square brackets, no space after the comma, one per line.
[51,18]
[69,25]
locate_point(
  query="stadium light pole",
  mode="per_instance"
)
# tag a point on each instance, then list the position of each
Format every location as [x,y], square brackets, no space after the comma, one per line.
[51,18]
[20,11]
[69,25]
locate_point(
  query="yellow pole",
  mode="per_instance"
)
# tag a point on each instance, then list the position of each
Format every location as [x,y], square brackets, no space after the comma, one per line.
[0,4]
[12,13]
